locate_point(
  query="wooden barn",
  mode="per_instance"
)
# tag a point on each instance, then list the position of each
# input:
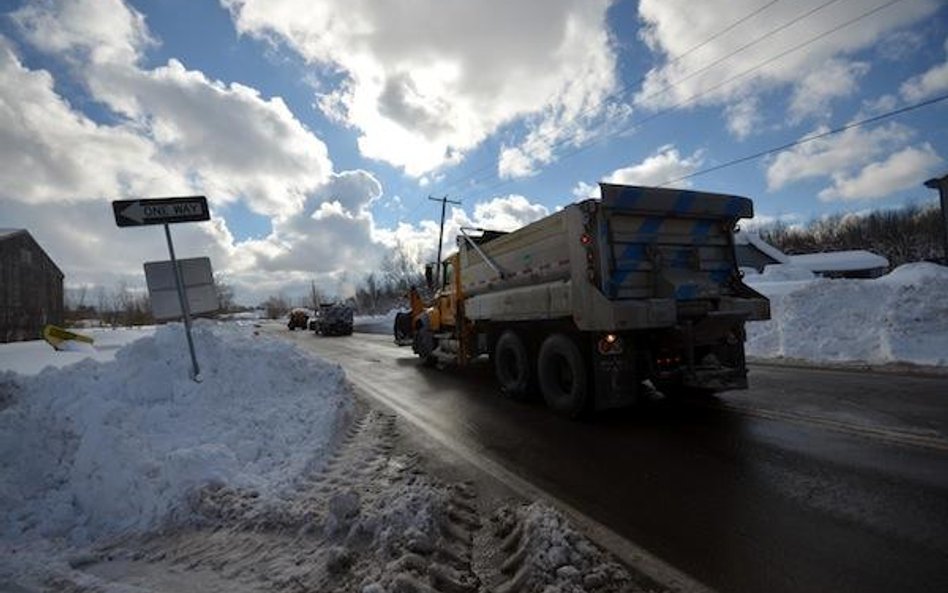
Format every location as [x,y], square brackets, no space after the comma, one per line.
[31,287]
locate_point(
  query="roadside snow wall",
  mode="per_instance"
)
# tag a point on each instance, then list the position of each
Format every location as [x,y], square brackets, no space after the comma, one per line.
[99,448]
[898,318]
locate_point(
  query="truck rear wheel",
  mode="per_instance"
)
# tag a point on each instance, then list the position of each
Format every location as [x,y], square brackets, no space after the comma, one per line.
[402,327]
[561,371]
[512,365]
[424,344]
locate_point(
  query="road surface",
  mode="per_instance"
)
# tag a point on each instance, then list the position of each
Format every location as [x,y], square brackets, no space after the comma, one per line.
[812,480]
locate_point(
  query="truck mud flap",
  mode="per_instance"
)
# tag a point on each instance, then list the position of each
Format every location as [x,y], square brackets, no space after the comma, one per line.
[617,383]
[716,324]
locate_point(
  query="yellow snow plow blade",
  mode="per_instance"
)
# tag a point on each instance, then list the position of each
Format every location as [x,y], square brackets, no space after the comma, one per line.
[57,336]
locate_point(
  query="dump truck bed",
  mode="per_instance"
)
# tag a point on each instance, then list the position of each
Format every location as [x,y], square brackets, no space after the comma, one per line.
[632,260]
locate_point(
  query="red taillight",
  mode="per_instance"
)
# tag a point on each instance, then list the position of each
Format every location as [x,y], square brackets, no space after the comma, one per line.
[585,239]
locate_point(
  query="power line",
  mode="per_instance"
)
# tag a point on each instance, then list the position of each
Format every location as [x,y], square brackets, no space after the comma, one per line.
[711,89]
[625,88]
[809,139]
[747,45]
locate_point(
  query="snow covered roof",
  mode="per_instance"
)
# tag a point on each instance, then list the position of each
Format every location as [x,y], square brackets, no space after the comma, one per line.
[833,261]
[753,239]
[839,261]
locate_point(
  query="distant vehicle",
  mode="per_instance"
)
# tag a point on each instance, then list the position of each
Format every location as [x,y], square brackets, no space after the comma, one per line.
[333,319]
[592,302]
[299,318]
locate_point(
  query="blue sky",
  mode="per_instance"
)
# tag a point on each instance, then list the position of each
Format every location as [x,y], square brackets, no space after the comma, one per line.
[318,128]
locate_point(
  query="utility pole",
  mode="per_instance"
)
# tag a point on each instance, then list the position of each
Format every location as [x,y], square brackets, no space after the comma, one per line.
[941,184]
[444,205]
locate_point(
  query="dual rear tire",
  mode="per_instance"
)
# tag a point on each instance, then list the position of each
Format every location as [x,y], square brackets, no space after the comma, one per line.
[560,373]
[512,366]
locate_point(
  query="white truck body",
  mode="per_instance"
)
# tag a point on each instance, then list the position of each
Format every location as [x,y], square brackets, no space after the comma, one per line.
[653,250]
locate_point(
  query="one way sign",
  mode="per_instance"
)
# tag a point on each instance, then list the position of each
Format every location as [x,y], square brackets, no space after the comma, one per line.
[160,211]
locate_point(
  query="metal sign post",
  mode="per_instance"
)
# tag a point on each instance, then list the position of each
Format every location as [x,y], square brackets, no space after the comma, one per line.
[165,211]
[185,308]
[941,184]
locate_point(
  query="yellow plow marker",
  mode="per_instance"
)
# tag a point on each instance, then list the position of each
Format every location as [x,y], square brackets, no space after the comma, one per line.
[58,337]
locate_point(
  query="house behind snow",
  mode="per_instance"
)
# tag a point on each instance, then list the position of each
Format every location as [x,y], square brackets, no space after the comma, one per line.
[754,252]
[31,287]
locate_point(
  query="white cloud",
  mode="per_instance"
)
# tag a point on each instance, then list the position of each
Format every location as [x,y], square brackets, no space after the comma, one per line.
[862,164]
[900,45]
[84,241]
[501,213]
[99,31]
[743,117]
[423,96]
[665,165]
[49,152]
[179,132]
[826,156]
[834,79]
[674,27]
[226,139]
[927,84]
[878,105]
[760,221]
[584,191]
[176,132]
[907,168]
[507,213]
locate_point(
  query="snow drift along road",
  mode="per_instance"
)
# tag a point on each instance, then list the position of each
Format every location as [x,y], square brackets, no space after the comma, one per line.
[99,448]
[900,317]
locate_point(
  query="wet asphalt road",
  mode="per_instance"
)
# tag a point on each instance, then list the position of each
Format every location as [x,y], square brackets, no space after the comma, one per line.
[812,480]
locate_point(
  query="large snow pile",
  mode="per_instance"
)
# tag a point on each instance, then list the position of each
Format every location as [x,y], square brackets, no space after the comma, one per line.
[99,448]
[900,317]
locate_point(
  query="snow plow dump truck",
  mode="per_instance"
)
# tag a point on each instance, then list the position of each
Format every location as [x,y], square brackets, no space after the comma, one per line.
[589,303]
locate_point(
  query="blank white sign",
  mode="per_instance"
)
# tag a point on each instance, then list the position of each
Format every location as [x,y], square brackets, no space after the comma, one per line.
[198,286]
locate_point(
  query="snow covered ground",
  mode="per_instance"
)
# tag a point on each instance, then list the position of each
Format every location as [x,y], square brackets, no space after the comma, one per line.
[901,317]
[119,472]
[31,357]
[124,475]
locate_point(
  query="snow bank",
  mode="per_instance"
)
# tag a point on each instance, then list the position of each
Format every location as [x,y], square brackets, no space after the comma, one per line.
[97,448]
[376,324]
[549,555]
[900,317]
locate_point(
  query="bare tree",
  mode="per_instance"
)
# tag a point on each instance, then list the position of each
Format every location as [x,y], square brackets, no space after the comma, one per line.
[225,293]
[276,306]
[901,236]
[399,271]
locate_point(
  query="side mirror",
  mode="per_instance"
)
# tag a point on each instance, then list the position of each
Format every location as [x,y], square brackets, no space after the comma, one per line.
[429,276]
